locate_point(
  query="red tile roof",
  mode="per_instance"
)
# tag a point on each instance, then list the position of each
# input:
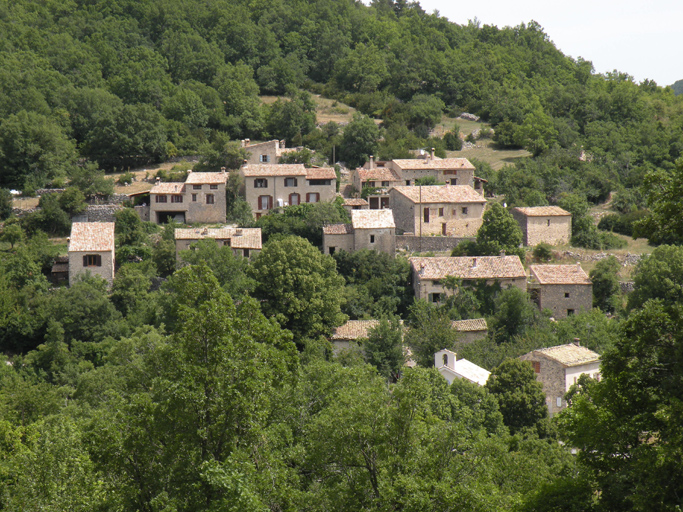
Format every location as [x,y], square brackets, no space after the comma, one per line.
[377,174]
[274,170]
[372,219]
[240,238]
[542,211]
[206,178]
[570,354]
[168,188]
[559,274]
[91,236]
[355,201]
[321,173]
[354,329]
[441,194]
[437,163]
[338,229]
[469,267]
[470,325]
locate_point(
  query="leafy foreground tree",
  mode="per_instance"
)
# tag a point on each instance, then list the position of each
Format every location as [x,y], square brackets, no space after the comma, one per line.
[520,396]
[384,348]
[606,288]
[299,287]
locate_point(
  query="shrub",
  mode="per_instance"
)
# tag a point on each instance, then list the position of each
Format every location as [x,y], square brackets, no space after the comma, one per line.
[543,252]
[126,178]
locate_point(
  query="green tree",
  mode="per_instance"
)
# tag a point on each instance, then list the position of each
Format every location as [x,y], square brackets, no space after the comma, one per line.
[384,348]
[12,234]
[520,396]
[5,204]
[513,315]
[499,232]
[291,118]
[430,330]
[299,287]
[606,288]
[72,201]
[359,141]
[90,180]
[658,276]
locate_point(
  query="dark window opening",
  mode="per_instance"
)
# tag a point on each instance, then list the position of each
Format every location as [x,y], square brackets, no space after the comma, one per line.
[260,183]
[209,198]
[92,260]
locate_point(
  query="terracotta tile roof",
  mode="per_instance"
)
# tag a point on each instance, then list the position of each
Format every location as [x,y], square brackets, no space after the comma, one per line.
[377,174]
[441,194]
[240,238]
[338,229]
[91,236]
[569,355]
[355,201]
[542,211]
[470,325]
[559,274]
[372,219]
[321,173]
[441,164]
[274,170]
[354,329]
[206,178]
[168,188]
[469,267]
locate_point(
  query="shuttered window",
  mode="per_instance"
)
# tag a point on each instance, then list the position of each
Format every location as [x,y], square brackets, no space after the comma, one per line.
[92,260]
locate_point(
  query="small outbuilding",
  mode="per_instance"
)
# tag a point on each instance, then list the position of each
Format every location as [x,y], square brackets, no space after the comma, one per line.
[563,289]
[549,224]
[91,250]
[369,229]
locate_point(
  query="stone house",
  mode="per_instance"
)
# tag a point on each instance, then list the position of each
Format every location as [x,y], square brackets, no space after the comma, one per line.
[369,229]
[549,224]
[355,203]
[91,250]
[470,330]
[563,289]
[201,199]
[452,171]
[448,210]
[451,368]
[558,368]
[270,186]
[378,176]
[429,273]
[245,242]
[268,152]
[345,336]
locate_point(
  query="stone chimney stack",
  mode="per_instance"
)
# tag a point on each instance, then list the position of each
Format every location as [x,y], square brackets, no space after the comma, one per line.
[372,162]
[432,153]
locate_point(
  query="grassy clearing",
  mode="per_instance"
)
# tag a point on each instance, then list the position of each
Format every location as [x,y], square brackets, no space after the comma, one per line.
[327,110]
[486,151]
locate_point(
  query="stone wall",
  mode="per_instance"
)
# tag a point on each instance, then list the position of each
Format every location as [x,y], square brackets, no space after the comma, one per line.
[112,199]
[413,243]
[552,377]
[560,298]
[102,213]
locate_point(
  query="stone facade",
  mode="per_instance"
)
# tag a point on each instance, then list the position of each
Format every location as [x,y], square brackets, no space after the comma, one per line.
[91,250]
[437,210]
[201,199]
[563,289]
[549,224]
[265,152]
[558,368]
[452,171]
[369,229]
[411,243]
[245,242]
[273,186]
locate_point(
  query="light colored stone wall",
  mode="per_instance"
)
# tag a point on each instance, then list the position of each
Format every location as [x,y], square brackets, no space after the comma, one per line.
[552,230]
[339,242]
[184,244]
[425,287]
[277,190]
[384,240]
[411,243]
[552,376]
[269,148]
[143,212]
[573,373]
[76,267]
[471,336]
[552,297]
[200,211]
[454,177]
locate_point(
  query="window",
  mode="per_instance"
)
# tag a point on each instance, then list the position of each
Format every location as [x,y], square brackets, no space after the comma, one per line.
[176,198]
[408,182]
[454,181]
[570,312]
[265,202]
[536,365]
[321,182]
[559,401]
[264,159]
[194,198]
[92,260]
[370,184]
[227,242]
[440,212]
[566,295]
[455,212]
[294,199]
[290,182]
[464,210]
[331,250]
[260,183]
[548,222]
[245,253]
[312,197]
[161,199]
[372,239]
[434,297]
[213,187]
[209,198]
[426,215]
[196,187]
[385,183]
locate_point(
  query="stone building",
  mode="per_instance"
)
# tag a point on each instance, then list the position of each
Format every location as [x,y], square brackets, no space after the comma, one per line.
[549,224]
[470,330]
[563,289]
[447,210]
[378,176]
[245,242]
[558,368]
[272,186]
[369,229]
[451,368]
[353,331]
[91,250]
[268,152]
[429,273]
[452,171]
[201,199]
[355,203]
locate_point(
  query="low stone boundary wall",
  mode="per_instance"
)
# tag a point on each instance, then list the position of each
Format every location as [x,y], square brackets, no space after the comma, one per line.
[102,213]
[428,243]
[627,286]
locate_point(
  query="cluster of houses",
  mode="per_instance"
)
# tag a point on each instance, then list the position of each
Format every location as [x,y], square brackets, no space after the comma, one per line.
[393,203]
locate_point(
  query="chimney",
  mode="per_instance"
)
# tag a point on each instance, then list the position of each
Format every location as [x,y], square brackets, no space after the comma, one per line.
[158,180]
[422,269]
[474,262]
[244,162]
[372,162]
[282,144]
[222,170]
[432,153]
[577,342]
[502,253]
